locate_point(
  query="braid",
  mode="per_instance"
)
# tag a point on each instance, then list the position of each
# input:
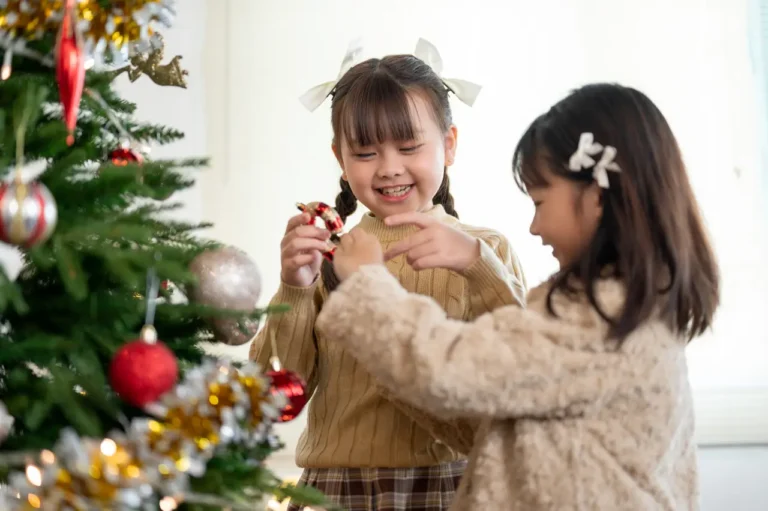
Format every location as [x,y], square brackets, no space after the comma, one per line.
[444,197]
[346,204]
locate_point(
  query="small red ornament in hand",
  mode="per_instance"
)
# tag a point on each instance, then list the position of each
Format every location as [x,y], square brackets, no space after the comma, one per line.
[293,388]
[70,69]
[143,370]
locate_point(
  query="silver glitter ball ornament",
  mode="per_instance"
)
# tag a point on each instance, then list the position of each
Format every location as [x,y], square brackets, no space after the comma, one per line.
[227,279]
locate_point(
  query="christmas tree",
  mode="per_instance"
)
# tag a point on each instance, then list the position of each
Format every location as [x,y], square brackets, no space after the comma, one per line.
[107,400]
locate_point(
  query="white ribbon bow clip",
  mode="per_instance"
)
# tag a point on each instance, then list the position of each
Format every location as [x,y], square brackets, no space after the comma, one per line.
[582,159]
[467,92]
[315,96]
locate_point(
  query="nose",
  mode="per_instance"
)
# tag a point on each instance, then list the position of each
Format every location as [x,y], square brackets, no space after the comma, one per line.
[390,166]
[534,228]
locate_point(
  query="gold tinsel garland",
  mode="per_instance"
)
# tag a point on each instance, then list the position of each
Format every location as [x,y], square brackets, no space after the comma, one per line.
[124,27]
[216,405]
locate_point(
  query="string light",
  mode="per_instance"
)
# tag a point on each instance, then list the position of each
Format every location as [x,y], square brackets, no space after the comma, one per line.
[34,475]
[108,447]
[168,504]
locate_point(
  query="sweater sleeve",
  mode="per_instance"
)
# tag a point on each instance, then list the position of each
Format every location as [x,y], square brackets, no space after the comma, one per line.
[502,365]
[294,332]
[496,278]
[493,281]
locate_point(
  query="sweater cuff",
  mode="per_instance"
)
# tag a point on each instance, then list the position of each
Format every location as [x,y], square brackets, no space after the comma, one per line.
[488,270]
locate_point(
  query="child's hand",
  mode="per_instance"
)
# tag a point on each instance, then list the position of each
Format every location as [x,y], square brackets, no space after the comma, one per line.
[301,256]
[436,245]
[358,248]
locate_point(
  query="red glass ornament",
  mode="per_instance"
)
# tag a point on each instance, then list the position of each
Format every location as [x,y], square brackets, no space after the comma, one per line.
[292,386]
[125,155]
[70,69]
[143,370]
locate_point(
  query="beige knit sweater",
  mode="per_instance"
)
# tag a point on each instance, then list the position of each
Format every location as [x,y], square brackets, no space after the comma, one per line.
[352,421]
[571,423]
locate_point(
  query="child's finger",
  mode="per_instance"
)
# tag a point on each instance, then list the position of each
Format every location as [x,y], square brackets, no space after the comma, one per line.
[414,240]
[310,231]
[297,261]
[430,261]
[300,245]
[420,251]
[295,221]
[305,231]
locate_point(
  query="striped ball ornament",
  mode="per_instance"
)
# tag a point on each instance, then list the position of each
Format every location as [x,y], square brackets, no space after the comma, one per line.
[28,213]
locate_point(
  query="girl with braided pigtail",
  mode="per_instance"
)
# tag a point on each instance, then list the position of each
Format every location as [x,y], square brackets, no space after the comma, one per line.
[394,141]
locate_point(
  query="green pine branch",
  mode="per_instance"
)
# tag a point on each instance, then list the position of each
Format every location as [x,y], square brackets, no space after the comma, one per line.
[80,295]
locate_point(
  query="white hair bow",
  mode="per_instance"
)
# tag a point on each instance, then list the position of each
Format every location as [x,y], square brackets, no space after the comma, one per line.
[582,159]
[315,96]
[466,91]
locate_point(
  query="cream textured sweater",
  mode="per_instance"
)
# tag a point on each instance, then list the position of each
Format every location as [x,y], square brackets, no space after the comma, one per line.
[351,421]
[570,422]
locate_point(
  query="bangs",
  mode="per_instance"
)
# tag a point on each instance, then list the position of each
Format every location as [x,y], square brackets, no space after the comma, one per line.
[376,109]
[527,160]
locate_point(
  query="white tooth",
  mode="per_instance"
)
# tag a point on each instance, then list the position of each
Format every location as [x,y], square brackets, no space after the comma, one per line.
[400,190]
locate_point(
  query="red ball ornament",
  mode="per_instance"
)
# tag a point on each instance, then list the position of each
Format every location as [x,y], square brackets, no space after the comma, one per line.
[70,68]
[143,370]
[125,155]
[292,386]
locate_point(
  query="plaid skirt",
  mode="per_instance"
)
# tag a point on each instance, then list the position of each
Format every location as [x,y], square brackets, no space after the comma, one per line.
[387,489]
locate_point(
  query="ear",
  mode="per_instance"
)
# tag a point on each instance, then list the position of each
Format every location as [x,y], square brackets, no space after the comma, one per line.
[337,154]
[451,139]
[592,201]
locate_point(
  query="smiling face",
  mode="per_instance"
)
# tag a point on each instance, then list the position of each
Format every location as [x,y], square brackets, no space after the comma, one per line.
[566,216]
[399,174]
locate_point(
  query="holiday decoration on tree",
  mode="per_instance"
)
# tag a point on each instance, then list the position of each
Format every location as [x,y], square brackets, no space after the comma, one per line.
[217,408]
[288,384]
[293,388]
[228,279]
[90,416]
[6,422]
[28,213]
[70,68]
[124,155]
[119,27]
[143,370]
[150,64]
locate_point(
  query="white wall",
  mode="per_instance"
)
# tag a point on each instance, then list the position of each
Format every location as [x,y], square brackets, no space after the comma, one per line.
[690,56]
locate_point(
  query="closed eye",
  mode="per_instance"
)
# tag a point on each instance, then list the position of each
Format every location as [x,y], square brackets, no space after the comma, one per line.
[364,156]
[411,149]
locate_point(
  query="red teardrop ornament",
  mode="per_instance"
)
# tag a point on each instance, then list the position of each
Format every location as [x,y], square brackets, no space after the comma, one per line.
[70,69]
